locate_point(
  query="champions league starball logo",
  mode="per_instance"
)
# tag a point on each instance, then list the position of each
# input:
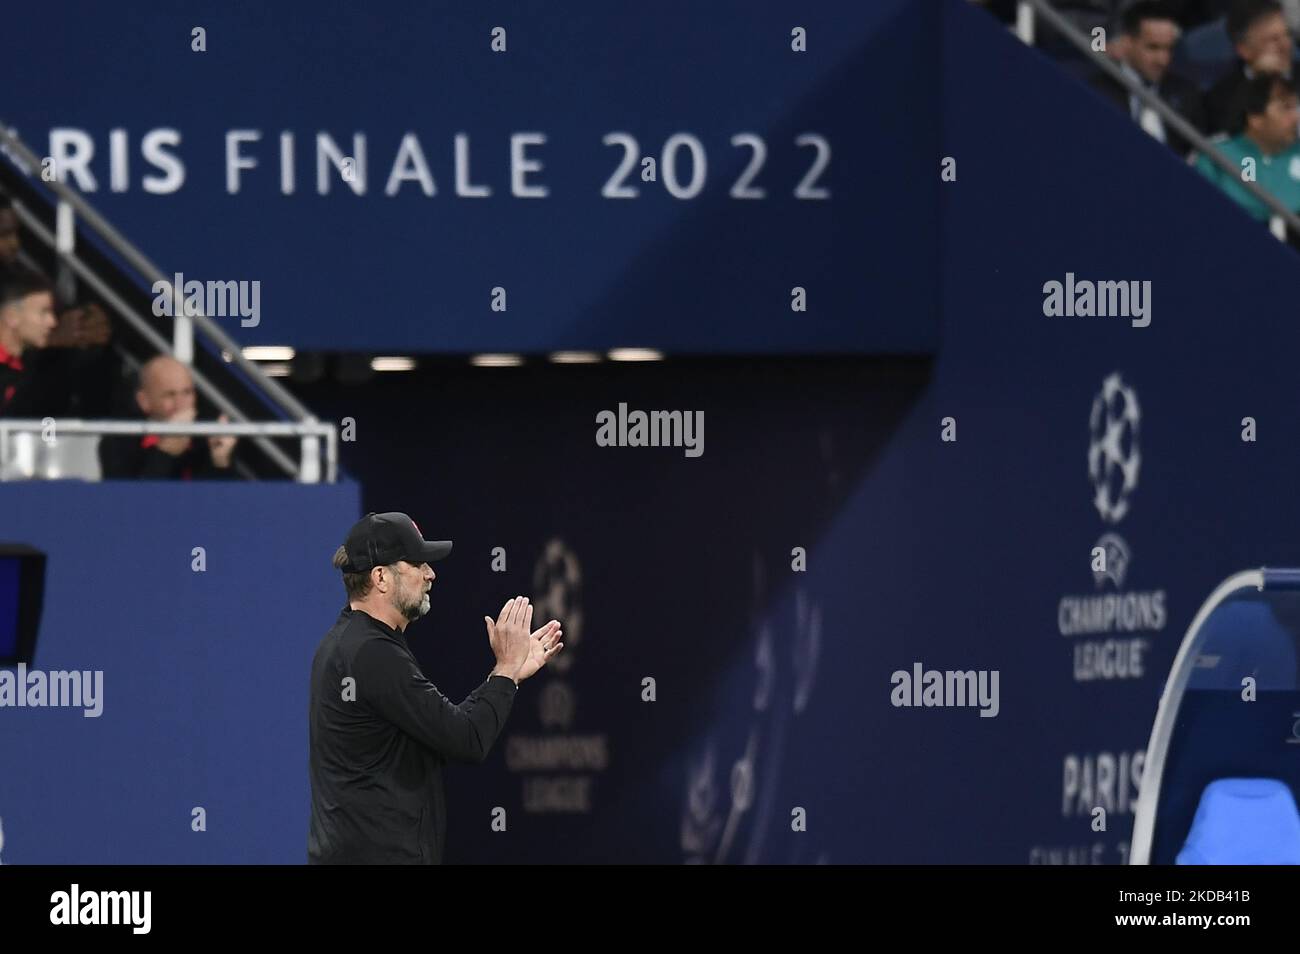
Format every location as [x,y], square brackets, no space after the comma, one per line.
[721,830]
[557,581]
[1110,632]
[1111,628]
[1113,456]
[1114,461]
[559,767]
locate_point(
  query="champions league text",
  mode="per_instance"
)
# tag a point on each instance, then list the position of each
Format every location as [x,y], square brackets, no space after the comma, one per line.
[1102,614]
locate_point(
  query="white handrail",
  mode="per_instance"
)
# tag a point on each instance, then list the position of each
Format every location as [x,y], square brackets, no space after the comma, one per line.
[145,330]
[310,432]
[1025,23]
[1162,730]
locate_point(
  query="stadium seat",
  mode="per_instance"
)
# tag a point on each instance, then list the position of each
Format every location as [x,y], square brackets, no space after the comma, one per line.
[1244,821]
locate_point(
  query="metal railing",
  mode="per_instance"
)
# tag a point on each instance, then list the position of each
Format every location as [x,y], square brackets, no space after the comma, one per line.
[142,326]
[315,437]
[69,201]
[1027,13]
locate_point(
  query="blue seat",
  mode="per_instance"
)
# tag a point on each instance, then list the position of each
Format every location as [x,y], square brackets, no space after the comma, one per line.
[1244,821]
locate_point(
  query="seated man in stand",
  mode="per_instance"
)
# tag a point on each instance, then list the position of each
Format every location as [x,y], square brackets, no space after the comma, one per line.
[166,393]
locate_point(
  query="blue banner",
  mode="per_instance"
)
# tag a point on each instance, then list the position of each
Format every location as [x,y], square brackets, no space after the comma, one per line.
[163,718]
[714,178]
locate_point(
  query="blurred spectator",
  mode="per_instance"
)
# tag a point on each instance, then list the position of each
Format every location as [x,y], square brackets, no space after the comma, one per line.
[26,321]
[9,242]
[79,326]
[166,393]
[1271,111]
[1263,43]
[1117,48]
[1151,32]
[65,381]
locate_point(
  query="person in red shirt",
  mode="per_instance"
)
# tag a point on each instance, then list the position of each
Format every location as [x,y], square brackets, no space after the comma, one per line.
[75,372]
[26,321]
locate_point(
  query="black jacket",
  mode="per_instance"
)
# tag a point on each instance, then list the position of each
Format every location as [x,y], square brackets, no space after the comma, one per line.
[1223,104]
[57,382]
[44,382]
[14,376]
[1221,101]
[1181,94]
[378,745]
[127,457]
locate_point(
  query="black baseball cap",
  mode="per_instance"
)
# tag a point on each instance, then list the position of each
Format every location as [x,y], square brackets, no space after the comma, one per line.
[378,539]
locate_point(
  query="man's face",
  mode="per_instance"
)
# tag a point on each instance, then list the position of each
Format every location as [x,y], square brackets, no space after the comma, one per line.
[31,318]
[1267,45]
[1151,50]
[410,593]
[167,392]
[9,243]
[1275,128]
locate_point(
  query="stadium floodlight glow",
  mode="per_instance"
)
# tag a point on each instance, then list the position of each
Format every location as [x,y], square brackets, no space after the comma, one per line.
[392,363]
[635,354]
[268,353]
[279,369]
[496,360]
[575,357]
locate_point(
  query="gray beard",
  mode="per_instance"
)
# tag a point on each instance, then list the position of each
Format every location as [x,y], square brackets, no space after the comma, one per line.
[413,611]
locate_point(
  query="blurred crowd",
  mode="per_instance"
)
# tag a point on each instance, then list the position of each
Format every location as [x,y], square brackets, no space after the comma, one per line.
[1227,67]
[57,361]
